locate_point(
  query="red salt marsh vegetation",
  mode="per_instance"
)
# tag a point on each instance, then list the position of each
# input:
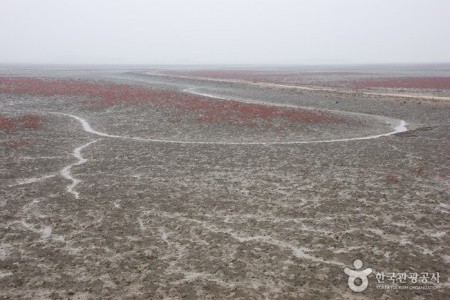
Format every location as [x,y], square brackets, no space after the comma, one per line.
[197,108]
[26,121]
[330,79]
[234,112]
[403,82]
[11,125]
[14,144]
[6,123]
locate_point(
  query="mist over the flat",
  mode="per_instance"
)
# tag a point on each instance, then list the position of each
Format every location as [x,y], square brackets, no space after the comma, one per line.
[224,32]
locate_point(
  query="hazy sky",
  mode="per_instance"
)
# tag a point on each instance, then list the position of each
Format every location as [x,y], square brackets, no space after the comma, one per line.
[224,32]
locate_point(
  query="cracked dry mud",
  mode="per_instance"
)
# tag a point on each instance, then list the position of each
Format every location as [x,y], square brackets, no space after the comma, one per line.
[111,213]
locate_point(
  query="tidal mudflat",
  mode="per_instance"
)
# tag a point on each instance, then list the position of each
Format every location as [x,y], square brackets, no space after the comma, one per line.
[141,184]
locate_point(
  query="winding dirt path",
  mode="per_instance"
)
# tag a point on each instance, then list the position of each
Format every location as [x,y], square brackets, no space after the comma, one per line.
[300,87]
[66,171]
[399,127]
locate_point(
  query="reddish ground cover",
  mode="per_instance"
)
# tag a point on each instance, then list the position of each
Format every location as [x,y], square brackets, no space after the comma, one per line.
[329,79]
[205,110]
[234,112]
[27,121]
[14,144]
[7,123]
[404,82]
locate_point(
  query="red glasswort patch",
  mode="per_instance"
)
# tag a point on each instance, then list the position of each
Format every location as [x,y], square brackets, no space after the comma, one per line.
[7,124]
[404,82]
[30,121]
[16,143]
[204,109]
[335,79]
[27,121]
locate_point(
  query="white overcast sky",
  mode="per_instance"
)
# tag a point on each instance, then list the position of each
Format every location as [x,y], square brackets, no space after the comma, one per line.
[224,32]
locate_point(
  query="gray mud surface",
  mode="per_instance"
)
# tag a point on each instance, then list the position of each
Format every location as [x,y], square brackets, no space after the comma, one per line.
[157,220]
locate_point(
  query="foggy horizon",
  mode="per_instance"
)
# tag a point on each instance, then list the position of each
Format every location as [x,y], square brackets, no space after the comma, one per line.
[228,33]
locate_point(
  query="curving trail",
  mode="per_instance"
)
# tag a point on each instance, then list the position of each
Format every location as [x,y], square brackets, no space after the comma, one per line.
[66,171]
[300,87]
[399,127]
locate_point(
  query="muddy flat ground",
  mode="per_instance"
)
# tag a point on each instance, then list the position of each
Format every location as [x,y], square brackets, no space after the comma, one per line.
[205,189]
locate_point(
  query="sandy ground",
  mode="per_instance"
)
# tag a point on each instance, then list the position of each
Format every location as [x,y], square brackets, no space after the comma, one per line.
[113,203]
